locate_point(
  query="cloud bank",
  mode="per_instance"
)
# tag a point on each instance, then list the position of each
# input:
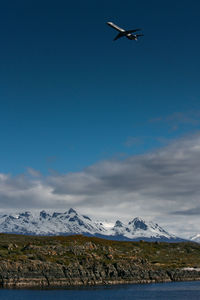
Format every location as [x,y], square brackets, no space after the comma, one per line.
[163,185]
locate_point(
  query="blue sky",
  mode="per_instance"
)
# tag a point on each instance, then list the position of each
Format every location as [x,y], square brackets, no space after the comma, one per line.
[70,96]
[108,128]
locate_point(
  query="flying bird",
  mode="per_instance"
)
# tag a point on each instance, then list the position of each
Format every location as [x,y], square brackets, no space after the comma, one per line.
[126,33]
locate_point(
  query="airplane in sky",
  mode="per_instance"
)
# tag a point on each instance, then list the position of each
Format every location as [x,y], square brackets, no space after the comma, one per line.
[126,33]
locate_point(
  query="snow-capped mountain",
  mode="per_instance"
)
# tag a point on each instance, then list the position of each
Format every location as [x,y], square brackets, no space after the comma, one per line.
[138,229]
[195,238]
[70,222]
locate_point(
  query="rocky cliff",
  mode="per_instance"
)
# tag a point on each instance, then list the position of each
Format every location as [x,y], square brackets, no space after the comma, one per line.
[27,261]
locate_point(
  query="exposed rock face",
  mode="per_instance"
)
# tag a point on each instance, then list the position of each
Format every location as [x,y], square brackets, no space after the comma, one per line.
[72,261]
[42,274]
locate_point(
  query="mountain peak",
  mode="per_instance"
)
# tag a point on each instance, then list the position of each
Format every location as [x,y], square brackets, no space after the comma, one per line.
[138,223]
[25,214]
[44,214]
[72,211]
[118,224]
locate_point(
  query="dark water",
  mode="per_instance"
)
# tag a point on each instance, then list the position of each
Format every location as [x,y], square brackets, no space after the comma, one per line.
[176,290]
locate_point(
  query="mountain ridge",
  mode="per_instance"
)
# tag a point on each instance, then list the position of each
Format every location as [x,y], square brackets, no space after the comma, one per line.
[71,222]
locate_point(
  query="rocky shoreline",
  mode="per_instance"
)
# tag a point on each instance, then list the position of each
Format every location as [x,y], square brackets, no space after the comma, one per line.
[61,262]
[46,275]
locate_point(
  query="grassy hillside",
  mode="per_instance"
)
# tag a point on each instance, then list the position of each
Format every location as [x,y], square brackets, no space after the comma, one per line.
[64,250]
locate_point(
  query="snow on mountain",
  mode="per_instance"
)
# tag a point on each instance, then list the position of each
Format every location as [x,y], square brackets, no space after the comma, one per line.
[70,222]
[140,229]
[195,238]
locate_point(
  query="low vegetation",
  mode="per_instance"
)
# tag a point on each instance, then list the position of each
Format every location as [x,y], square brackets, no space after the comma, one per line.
[66,249]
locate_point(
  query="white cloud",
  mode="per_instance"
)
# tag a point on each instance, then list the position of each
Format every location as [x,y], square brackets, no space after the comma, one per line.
[163,186]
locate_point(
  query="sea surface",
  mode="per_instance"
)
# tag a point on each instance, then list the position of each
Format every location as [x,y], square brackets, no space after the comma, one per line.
[160,291]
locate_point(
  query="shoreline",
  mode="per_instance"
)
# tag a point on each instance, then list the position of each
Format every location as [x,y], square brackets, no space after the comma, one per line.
[92,285]
[45,284]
